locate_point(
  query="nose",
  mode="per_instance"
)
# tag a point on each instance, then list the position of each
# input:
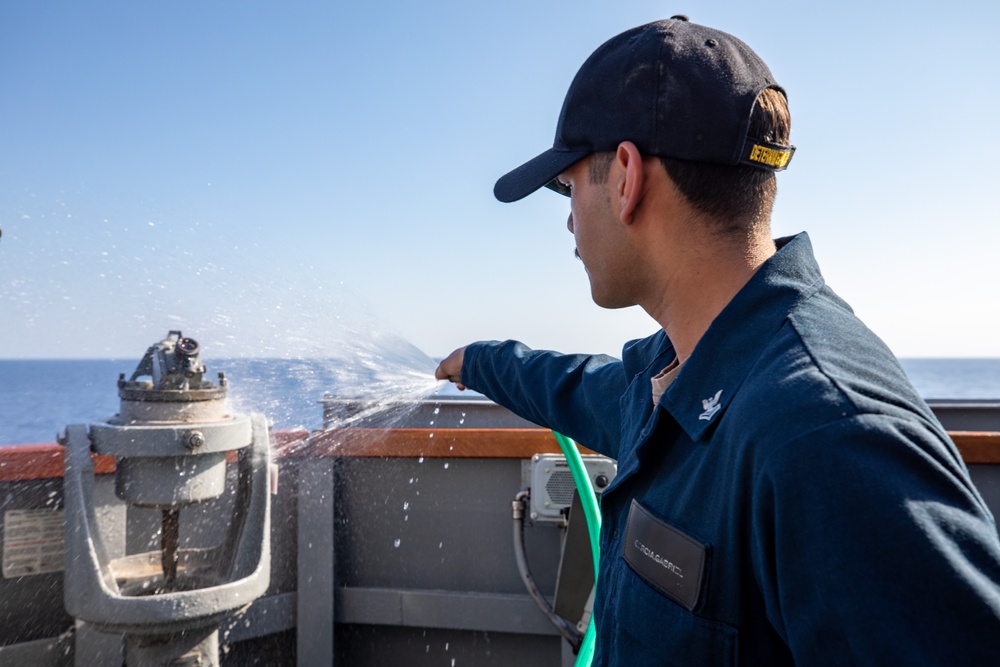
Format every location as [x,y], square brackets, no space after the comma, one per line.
[569,222]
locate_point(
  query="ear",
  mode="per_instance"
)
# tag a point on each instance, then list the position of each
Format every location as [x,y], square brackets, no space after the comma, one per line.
[631,180]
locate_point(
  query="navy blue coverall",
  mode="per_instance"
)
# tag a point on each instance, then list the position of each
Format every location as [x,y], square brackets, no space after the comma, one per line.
[790,501]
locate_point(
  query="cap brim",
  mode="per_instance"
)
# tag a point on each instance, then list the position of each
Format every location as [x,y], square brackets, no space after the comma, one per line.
[535,173]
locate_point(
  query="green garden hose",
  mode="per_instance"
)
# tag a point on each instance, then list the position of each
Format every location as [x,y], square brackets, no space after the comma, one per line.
[592,512]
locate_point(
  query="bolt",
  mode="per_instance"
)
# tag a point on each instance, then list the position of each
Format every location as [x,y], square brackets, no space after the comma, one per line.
[194,439]
[601,481]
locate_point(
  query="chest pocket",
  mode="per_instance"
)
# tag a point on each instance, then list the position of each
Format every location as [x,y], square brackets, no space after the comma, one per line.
[660,582]
[659,632]
[668,559]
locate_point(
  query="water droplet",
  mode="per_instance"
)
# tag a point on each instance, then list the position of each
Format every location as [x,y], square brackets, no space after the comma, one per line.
[396,542]
[437,411]
[420,460]
[406,504]
[445,466]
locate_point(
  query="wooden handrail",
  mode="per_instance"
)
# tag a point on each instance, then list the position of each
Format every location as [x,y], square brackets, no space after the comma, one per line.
[476,443]
[977,446]
[45,460]
[41,461]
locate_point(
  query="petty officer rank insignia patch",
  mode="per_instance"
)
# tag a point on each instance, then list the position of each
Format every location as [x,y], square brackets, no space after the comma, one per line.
[711,406]
[666,558]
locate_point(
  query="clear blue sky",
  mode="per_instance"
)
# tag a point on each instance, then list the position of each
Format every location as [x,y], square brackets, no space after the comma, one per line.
[274,177]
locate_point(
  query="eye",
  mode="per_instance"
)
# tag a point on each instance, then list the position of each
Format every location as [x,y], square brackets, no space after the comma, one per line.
[559,186]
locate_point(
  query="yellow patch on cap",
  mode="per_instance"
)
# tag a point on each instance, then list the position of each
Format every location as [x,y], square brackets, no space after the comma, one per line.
[776,158]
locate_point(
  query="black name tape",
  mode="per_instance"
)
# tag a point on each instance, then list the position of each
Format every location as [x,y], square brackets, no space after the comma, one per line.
[666,558]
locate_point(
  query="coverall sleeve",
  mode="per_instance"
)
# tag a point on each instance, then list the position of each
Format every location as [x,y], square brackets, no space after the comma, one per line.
[871,548]
[576,395]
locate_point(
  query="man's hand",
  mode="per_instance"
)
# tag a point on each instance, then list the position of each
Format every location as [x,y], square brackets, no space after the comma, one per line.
[451,367]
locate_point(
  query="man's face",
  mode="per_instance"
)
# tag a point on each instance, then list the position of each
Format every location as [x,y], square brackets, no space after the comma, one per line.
[598,235]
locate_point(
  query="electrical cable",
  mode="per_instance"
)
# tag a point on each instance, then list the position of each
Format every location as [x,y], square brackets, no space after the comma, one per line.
[565,628]
[583,647]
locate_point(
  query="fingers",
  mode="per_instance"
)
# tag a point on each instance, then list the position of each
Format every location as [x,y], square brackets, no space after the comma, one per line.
[451,368]
[442,374]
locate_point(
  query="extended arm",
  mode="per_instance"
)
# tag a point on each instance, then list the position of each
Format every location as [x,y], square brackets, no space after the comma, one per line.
[576,395]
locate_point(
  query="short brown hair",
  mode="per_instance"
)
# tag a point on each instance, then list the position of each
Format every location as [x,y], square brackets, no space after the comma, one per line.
[599,166]
[736,198]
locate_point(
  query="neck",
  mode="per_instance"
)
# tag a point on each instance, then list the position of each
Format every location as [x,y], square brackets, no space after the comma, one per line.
[699,280]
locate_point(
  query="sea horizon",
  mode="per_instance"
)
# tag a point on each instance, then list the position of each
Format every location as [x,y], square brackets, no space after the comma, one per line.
[39,397]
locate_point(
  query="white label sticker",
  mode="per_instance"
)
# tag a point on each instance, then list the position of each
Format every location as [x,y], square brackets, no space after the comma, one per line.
[33,542]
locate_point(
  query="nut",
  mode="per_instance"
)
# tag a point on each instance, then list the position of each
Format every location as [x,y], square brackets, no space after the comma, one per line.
[194,439]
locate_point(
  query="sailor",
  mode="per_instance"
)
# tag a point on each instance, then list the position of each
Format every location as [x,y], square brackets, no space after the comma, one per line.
[783,496]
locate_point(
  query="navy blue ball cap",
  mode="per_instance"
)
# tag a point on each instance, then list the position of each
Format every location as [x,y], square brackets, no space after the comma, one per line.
[673,88]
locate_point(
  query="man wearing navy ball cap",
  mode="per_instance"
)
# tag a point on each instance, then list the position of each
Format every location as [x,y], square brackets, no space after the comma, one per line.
[783,496]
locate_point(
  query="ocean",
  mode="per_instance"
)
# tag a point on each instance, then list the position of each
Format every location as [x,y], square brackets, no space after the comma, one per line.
[40,397]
